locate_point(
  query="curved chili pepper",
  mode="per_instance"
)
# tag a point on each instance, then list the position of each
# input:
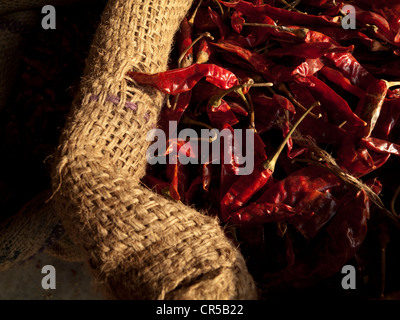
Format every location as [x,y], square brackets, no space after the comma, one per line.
[356,159]
[221,115]
[269,70]
[184,79]
[216,18]
[381,28]
[301,199]
[282,15]
[237,196]
[350,68]
[341,35]
[176,114]
[204,51]
[370,105]
[334,105]
[388,118]
[381,146]
[245,186]
[184,42]
[237,21]
[337,78]
[311,50]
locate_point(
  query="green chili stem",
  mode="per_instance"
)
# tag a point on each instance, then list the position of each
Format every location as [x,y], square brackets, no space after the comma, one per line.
[215,101]
[285,90]
[270,164]
[252,114]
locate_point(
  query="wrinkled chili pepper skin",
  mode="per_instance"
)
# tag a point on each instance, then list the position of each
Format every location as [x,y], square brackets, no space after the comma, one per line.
[312,50]
[370,105]
[185,40]
[245,186]
[381,146]
[389,117]
[337,78]
[350,68]
[335,106]
[182,80]
[282,15]
[282,201]
[343,236]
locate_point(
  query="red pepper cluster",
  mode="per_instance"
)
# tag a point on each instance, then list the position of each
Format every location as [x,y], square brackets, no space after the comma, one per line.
[291,73]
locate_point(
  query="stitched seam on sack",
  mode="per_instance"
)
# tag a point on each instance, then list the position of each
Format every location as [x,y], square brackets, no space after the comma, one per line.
[116,100]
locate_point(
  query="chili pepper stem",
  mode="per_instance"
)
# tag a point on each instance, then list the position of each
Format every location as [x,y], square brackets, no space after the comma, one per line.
[220,7]
[271,163]
[252,114]
[191,20]
[205,34]
[392,203]
[285,90]
[187,120]
[393,83]
[215,101]
[302,32]
[291,7]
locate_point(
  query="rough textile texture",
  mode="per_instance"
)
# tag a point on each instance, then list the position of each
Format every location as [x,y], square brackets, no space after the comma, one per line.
[25,233]
[139,245]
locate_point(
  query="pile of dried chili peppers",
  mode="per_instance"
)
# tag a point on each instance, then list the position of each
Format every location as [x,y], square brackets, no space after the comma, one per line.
[324,106]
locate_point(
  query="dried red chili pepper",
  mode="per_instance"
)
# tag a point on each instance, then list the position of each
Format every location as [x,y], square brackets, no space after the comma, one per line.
[311,50]
[381,27]
[184,79]
[282,15]
[343,237]
[246,186]
[350,68]
[221,115]
[237,21]
[381,146]
[370,105]
[388,118]
[204,51]
[337,78]
[216,18]
[334,105]
[184,42]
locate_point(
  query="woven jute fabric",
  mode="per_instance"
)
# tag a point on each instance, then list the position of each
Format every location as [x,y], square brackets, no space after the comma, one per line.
[26,233]
[139,244]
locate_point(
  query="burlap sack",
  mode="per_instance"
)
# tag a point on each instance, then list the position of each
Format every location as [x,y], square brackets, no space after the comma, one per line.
[139,245]
[34,228]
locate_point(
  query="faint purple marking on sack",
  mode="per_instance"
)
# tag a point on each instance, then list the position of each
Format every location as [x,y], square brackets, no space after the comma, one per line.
[114,99]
